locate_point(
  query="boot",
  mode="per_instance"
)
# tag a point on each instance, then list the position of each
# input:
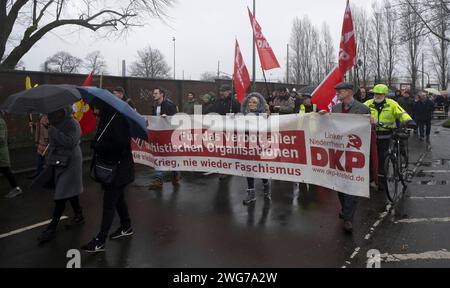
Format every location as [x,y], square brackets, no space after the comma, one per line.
[48,235]
[267,191]
[176,179]
[251,197]
[156,184]
[77,220]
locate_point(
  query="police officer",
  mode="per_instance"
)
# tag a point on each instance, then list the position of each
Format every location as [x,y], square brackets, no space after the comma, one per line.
[385,114]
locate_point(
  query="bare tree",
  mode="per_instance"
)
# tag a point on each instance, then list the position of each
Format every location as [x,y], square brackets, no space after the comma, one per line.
[328,52]
[413,30]
[62,62]
[209,76]
[362,26]
[95,63]
[440,51]
[305,42]
[377,31]
[390,49]
[150,63]
[34,19]
[427,12]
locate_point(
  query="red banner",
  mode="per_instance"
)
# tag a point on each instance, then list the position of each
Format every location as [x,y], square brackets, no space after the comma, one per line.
[241,76]
[347,51]
[325,95]
[266,55]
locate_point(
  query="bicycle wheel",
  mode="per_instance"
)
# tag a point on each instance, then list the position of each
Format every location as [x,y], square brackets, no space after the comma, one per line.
[392,179]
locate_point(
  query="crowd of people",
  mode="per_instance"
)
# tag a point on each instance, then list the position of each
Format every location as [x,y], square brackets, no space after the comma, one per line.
[59,156]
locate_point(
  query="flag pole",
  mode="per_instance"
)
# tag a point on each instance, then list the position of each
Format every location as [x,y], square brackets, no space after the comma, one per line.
[232,93]
[265,81]
[254,51]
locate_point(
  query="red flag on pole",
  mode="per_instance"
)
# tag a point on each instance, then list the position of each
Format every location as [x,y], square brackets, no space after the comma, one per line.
[83,112]
[266,55]
[325,95]
[241,76]
[347,51]
[89,80]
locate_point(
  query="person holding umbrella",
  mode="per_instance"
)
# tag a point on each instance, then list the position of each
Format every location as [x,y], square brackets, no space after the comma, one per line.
[113,165]
[65,163]
[5,165]
[63,172]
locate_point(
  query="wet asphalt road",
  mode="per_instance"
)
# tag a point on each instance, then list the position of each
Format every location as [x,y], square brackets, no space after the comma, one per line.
[203,223]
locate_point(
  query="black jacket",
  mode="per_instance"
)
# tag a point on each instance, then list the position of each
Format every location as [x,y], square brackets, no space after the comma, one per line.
[423,111]
[167,107]
[115,145]
[407,104]
[222,106]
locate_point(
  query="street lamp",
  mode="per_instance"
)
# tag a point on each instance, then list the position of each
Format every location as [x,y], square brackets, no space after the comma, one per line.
[174,58]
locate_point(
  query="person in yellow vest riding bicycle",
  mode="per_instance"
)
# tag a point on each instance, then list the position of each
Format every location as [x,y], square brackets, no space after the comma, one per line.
[307,106]
[386,115]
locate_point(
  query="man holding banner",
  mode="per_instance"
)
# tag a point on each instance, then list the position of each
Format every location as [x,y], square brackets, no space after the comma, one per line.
[348,105]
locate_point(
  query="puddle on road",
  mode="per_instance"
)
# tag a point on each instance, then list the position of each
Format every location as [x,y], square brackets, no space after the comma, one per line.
[436,163]
[433,182]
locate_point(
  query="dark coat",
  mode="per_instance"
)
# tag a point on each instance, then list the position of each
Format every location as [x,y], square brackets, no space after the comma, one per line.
[65,140]
[115,145]
[222,106]
[167,107]
[4,153]
[407,104]
[423,110]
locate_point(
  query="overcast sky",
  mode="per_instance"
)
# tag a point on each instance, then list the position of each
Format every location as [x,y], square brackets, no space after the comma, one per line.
[205,31]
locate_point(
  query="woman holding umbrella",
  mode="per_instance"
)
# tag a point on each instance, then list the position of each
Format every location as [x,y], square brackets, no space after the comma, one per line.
[65,166]
[112,146]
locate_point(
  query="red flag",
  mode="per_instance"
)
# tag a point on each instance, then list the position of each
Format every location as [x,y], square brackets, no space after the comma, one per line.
[89,80]
[325,96]
[84,113]
[266,55]
[347,51]
[241,76]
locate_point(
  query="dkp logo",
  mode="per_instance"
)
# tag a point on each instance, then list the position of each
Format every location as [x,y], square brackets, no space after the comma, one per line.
[373,258]
[75,259]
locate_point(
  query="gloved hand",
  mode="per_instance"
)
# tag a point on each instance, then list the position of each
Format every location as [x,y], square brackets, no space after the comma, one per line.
[411,124]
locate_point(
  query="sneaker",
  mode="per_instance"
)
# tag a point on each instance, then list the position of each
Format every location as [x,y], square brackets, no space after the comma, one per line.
[48,235]
[94,246]
[348,227]
[14,192]
[119,233]
[251,197]
[156,184]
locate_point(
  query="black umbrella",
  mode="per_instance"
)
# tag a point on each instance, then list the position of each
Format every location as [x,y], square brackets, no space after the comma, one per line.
[43,99]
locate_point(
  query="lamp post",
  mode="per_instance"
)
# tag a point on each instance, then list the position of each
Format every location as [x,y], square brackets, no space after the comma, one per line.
[174,58]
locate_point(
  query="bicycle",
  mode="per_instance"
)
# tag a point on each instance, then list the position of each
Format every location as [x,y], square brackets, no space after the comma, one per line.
[396,164]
